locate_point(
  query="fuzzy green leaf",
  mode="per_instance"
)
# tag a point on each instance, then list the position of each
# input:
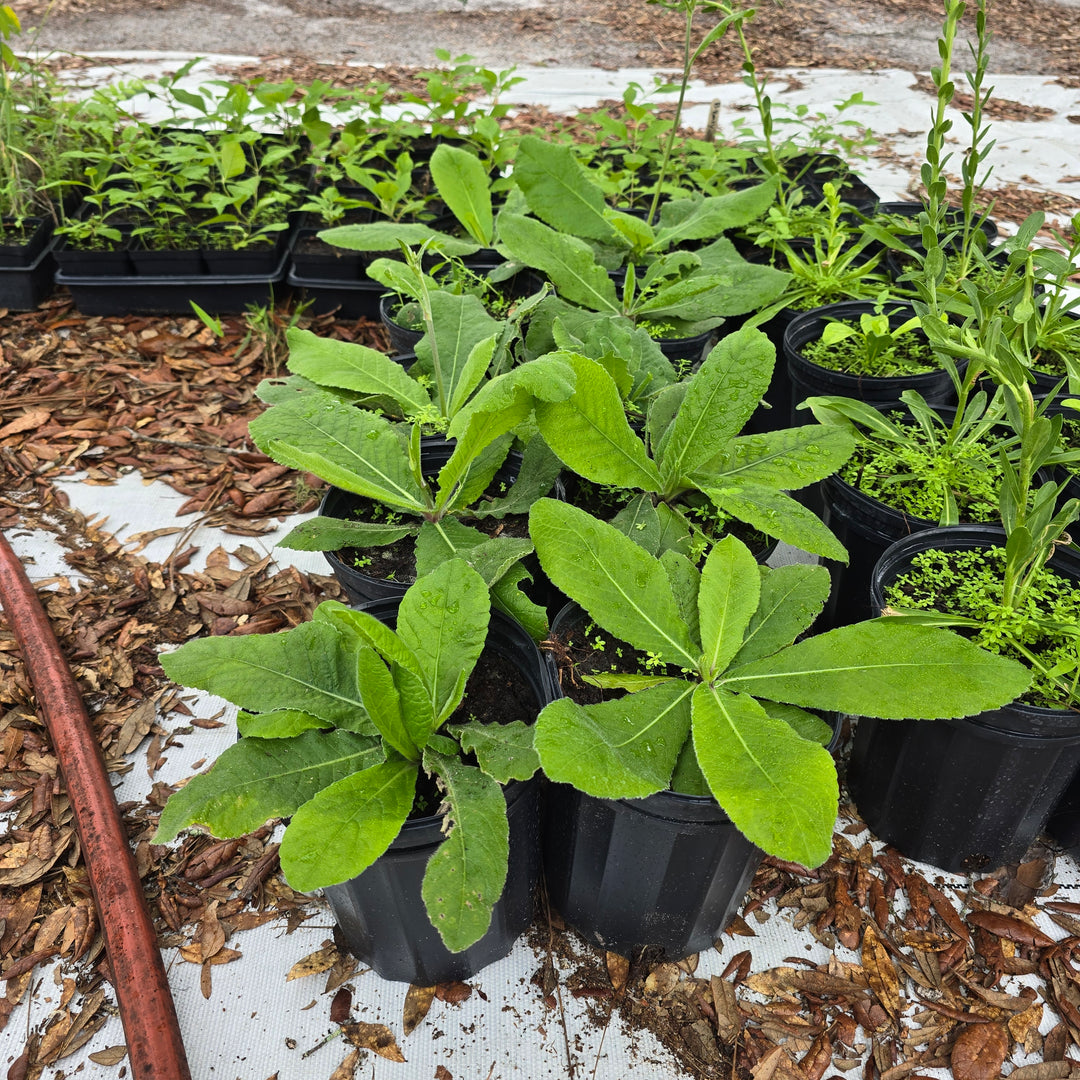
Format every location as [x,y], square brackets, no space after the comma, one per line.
[465,187]
[390,235]
[618,749]
[280,724]
[258,779]
[779,789]
[727,599]
[309,668]
[342,830]
[590,433]
[703,219]
[780,516]
[886,669]
[789,459]
[618,583]
[467,873]
[569,262]
[507,596]
[489,556]
[348,447]
[792,597]
[345,365]
[333,534]
[504,751]
[384,704]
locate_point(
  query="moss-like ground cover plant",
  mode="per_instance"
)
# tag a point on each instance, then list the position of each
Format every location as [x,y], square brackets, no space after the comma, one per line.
[343,717]
[870,346]
[732,723]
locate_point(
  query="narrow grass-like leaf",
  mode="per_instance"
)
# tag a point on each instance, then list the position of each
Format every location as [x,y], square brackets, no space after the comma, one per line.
[467,873]
[342,830]
[618,749]
[886,669]
[779,789]
[618,583]
[258,779]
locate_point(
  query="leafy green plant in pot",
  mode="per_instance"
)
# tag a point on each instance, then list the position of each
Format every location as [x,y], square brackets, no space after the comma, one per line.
[722,722]
[693,468]
[359,734]
[362,452]
[973,794]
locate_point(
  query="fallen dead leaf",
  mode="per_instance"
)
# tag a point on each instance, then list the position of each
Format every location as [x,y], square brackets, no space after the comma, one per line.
[321,960]
[418,1001]
[347,1069]
[979,1052]
[111,1055]
[880,972]
[377,1038]
[618,968]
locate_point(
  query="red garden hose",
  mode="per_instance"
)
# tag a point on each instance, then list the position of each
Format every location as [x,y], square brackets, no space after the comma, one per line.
[155,1049]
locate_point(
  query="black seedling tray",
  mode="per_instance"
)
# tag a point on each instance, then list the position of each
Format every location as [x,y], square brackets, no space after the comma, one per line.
[22,288]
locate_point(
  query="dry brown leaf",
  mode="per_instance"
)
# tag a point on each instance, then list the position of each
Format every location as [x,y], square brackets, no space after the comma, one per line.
[880,972]
[377,1038]
[443,1073]
[1010,928]
[1024,1026]
[341,1006]
[618,969]
[347,1069]
[453,993]
[979,1052]
[662,979]
[321,960]
[111,1055]
[1043,1070]
[729,1020]
[418,1001]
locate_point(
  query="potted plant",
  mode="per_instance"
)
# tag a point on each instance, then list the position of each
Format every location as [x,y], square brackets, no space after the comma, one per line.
[717,718]
[974,793]
[364,736]
[693,466]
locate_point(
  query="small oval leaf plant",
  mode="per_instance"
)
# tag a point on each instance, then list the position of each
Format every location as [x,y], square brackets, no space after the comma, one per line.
[386,696]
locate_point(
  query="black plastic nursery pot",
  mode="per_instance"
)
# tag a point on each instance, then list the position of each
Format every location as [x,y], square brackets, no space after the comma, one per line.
[22,288]
[690,349]
[316,259]
[349,299]
[970,794]
[381,912]
[403,339]
[809,379]
[22,253]
[668,871]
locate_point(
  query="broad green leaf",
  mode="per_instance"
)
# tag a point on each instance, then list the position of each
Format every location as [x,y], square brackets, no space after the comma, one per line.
[443,620]
[618,583]
[333,534]
[255,780]
[559,190]
[805,724]
[590,433]
[490,556]
[465,187]
[472,374]
[631,681]
[461,323]
[504,751]
[639,520]
[281,724]
[749,286]
[779,789]
[540,468]
[718,402]
[418,715]
[569,262]
[780,516]
[674,531]
[792,597]
[384,704]
[789,459]
[885,669]
[340,832]
[365,629]
[685,581]
[507,596]
[467,873]
[309,668]
[465,478]
[347,366]
[697,297]
[390,235]
[623,749]
[703,219]
[348,447]
[687,778]
[727,599]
